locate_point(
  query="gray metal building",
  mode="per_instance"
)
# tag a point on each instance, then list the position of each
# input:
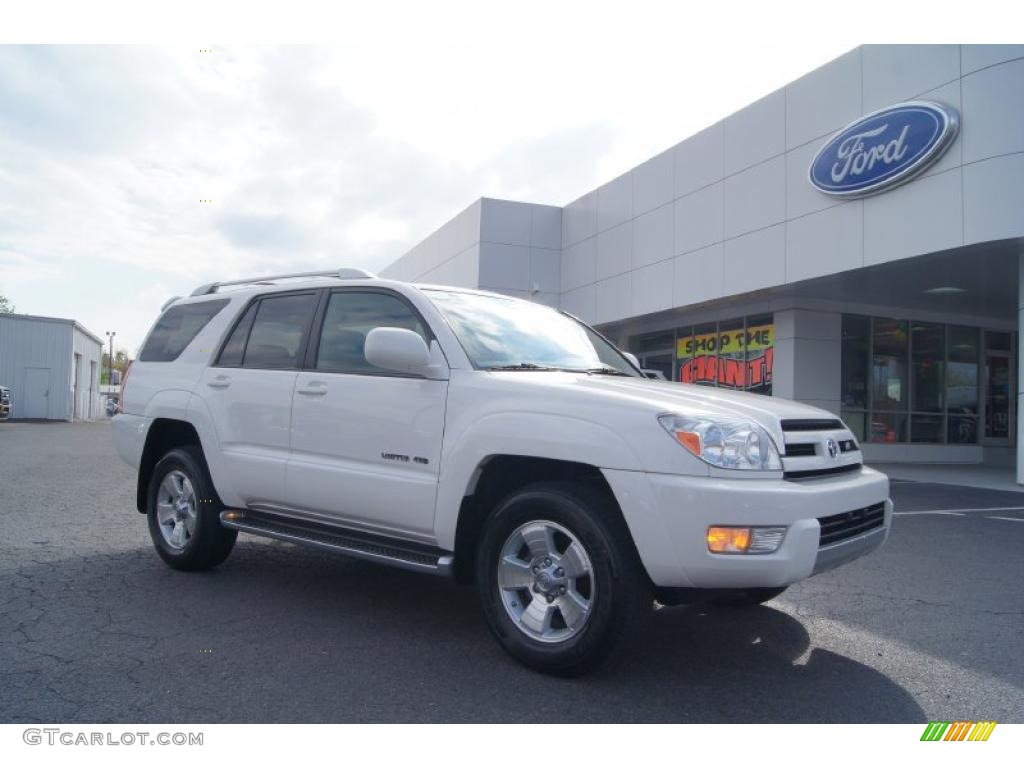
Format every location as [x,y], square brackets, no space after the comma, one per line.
[853,240]
[52,367]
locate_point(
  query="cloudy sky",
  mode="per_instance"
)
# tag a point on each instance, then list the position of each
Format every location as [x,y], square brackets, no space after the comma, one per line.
[313,157]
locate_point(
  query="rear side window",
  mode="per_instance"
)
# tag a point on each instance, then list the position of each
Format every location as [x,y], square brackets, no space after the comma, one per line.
[176,328]
[234,348]
[278,331]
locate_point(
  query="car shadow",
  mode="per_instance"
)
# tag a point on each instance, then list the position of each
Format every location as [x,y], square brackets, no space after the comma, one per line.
[285,634]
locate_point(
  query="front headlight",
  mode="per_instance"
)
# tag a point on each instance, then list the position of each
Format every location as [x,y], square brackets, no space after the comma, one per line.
[724,442]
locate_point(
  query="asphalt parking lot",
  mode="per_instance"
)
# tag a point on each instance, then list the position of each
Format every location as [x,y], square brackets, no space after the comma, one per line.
[95,628]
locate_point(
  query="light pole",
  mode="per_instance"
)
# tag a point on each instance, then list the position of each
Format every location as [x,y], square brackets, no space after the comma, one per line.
[110,358]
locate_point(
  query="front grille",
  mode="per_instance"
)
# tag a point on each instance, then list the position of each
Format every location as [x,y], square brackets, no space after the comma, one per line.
[846,525]
[809,473]
[810,425]
[800,449]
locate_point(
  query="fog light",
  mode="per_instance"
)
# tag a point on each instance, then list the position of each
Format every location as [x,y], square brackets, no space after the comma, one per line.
[731,540]
[722,539]
[766,540]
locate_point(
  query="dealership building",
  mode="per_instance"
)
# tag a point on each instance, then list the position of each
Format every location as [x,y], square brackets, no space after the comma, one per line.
[853,240]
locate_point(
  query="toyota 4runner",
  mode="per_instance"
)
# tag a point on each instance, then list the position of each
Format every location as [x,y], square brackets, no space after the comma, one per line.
[484,438]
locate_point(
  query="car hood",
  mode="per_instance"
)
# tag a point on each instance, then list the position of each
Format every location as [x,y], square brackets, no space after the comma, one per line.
[671,397]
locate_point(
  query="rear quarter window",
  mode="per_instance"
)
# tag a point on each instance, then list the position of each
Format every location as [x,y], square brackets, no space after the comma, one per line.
[176,328]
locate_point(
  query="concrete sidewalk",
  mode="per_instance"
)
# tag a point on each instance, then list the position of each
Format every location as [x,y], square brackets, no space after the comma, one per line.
[970,475]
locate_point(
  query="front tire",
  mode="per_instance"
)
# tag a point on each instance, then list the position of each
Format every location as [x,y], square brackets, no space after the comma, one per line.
[183,511]
[560,581]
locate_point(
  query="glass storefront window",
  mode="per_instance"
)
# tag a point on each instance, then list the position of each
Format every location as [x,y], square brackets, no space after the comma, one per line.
[732,348]
[928,345]
[926,428]
[701,354]
[856,348]
[888,428]
[760,353]
[889,365]
[921,382]
[962,373]
[857,422]
[736,354]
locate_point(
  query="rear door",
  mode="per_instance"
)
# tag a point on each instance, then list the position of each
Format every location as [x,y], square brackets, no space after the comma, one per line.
[249,390]
[36,394]
[366,443]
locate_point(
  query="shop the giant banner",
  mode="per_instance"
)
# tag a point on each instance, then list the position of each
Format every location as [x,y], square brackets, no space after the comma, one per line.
[737,359]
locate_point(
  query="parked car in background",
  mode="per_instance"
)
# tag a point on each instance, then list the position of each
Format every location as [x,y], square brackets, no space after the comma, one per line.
[486,438]
[5,403]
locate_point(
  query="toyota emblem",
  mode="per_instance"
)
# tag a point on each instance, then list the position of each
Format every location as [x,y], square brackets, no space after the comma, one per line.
[832,447]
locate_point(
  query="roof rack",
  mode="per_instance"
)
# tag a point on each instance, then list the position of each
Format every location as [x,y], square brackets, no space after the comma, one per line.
[345,273]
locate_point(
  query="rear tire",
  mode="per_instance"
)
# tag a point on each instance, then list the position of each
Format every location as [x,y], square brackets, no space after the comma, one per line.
[560,581]
[183,512]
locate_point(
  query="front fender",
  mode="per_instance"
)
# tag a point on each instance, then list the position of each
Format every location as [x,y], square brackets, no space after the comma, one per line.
[518,433]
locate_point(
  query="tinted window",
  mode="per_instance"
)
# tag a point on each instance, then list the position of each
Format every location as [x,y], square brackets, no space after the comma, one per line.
[233,350]
[349,317]
[278,330]
[176,328]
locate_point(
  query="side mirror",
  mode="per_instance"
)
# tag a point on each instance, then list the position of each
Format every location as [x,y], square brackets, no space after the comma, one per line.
[632,358]
[398,349]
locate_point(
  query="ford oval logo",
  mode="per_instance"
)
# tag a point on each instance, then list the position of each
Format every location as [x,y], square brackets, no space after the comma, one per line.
[884,149]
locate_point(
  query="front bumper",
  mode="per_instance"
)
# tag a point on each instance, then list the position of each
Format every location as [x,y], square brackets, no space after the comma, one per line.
[669,515]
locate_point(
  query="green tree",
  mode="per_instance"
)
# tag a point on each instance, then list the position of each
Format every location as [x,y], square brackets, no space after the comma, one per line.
[120,364]
[6,308]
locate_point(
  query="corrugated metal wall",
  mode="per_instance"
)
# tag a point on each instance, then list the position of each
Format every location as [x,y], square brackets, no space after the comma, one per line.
[89,362]
[35,363]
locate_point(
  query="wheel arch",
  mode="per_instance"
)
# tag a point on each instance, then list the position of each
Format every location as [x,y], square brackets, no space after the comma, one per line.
[164,434]
[498,475]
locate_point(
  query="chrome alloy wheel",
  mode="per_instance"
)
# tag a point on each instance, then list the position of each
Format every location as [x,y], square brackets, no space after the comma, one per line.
[546,581]
[176,509]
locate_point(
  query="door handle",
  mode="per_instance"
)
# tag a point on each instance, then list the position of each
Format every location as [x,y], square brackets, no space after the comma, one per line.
[220,382]
[313,388]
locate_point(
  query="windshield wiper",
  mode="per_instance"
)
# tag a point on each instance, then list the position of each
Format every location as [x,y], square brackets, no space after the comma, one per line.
[523,367]
[607,371]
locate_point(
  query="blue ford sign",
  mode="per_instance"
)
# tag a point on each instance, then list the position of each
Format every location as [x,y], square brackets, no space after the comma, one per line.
[884,149]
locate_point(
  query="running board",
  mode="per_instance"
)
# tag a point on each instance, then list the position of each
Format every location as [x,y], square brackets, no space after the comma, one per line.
[365,546]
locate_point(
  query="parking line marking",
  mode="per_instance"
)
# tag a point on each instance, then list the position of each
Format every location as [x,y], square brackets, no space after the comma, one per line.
[1011,519]
[960,511]
[951,513]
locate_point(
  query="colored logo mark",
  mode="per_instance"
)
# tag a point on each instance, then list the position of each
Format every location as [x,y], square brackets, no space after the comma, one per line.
[959,730]
[884,149]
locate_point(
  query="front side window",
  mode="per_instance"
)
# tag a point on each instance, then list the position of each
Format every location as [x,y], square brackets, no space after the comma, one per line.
[350,316]
[278,330]
[498,332]
[176,328]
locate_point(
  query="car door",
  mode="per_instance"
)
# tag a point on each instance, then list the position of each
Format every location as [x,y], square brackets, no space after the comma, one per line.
[248,392]
[366,442]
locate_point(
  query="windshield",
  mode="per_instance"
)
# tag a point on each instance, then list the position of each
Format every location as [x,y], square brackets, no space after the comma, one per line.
[512,334]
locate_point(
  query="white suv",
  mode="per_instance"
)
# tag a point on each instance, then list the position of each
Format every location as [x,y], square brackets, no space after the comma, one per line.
[485,438]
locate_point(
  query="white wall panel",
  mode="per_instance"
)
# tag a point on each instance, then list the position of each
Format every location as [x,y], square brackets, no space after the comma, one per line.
[698,219]
[755,133]
[823,101]
[614,251]
[756,260]
[994,199]
[652,237]
[920,217]
[895,73]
